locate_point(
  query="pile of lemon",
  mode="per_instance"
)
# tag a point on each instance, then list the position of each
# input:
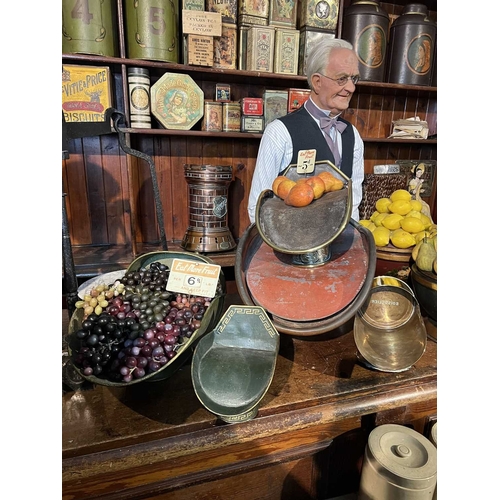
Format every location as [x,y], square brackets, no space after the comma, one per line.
[399,220]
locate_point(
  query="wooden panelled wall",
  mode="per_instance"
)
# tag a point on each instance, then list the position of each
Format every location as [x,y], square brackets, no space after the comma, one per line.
[101,195]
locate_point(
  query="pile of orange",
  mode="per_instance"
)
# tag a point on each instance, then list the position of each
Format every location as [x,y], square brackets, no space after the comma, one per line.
[302,192]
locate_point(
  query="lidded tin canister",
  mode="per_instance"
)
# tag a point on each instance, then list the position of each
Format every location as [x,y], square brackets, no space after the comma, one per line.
[139,95]
[89,28]
[411,47]
[366,26]
[208,190]
[399,464]
[152,29]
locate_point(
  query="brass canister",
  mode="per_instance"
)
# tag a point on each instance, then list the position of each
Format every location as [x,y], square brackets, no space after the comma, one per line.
[90,29]
[366,26]
[411,47]
[152,29]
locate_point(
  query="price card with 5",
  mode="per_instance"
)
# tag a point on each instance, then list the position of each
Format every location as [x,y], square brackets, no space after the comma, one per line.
[193,278]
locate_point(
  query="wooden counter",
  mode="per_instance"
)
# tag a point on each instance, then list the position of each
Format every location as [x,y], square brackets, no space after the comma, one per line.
[155,440]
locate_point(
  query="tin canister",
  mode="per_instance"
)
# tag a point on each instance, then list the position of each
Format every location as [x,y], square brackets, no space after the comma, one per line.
[399,463]
[231,116]
[411,47]
[89,30]
[366,26]
[225,47]
[139,95]
[152,30]
[212,118]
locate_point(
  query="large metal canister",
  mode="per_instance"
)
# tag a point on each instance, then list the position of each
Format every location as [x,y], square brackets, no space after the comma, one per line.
[89,27]
[411,47]
[366,26]
[152,29]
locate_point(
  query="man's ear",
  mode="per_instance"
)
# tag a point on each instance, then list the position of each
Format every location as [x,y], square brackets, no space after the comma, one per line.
[316,82]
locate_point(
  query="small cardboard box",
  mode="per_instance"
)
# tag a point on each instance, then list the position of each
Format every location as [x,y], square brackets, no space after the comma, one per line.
[200,50]
[286,51]
[86,93]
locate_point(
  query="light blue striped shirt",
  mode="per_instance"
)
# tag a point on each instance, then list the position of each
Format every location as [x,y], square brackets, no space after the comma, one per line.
[275,154]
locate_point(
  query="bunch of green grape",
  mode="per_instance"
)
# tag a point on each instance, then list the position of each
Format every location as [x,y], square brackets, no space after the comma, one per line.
[97,299]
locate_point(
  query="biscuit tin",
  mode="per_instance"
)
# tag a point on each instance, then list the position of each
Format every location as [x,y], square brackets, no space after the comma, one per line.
[275,104]
[253,8]
[260,49]
[254,124]
[307,38]
[138,91]
[319,14]
[242,46]
[212,118]
[86,93]
[252,20]
[252,106]
[283,13]
[225,47]
[231,116]
[296,98]
[200,50]
[286,51]
[89,28]
[177,101]
[157,40]
[222,92]
[227,8]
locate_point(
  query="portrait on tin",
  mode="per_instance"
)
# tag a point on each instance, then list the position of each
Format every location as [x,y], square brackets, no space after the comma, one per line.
[420,54]
[372,45]
[175,107]
[322,9]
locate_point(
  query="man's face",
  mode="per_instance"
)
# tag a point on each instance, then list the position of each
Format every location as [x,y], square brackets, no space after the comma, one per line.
[329,94]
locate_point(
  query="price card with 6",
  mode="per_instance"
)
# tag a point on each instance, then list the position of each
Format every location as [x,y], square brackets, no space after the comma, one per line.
[193,278]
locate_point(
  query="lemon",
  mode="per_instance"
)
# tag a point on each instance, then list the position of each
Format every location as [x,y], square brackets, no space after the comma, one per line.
[401,194]
[421,235]
[381,235]
[412,225]
[371,227]
[416,205]
[373,216]
[427,222]
[402,239]
[365,222]
[378,220]
[392,221]
[400,207]
[382,205]
[414,213]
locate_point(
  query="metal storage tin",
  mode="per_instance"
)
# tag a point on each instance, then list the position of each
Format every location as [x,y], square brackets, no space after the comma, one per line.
[296,98]
[319,14]
[251,12]
[275,104]
[91,30]
[307,38]
[286,51]
[399,464]
[212,119]
[366,26]
[253,124]
[227,8]
[225,47]
[155,41]
[231,116]
[411,47]
[283,13]
[260,49]
[139,96]
[252,106]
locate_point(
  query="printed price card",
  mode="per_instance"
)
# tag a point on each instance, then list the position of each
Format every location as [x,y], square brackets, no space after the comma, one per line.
[193,278]
[306,161]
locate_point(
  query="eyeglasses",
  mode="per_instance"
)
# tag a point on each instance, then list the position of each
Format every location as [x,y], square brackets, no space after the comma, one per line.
[342,81]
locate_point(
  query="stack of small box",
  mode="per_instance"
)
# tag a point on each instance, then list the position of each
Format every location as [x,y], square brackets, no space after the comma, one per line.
[252,119]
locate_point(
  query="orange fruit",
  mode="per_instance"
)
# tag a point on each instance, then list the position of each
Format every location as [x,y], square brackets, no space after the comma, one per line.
[331,182]
[277,182]
[318,186]
[284,187]
[300,195]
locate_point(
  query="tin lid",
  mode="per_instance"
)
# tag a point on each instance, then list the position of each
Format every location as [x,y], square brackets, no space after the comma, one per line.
[402,456]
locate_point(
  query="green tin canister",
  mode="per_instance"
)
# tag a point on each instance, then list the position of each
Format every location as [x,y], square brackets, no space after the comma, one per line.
[89,27]
[152,30]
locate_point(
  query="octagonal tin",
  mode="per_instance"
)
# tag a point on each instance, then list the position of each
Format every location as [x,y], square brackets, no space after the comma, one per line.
[177,101]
